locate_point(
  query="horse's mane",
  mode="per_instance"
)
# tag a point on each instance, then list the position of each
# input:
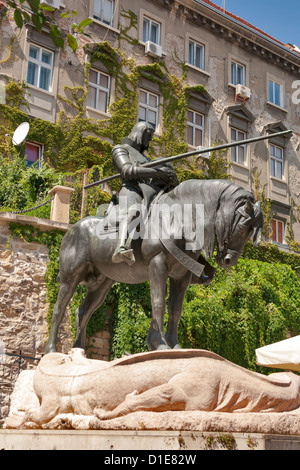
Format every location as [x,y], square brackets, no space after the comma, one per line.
[221,199]
[210,190]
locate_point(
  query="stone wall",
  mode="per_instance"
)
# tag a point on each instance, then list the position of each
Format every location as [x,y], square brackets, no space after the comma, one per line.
[24,306]
[23,296]
[98,345]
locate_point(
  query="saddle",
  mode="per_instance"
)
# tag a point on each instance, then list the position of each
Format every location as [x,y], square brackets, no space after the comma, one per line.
[202,272]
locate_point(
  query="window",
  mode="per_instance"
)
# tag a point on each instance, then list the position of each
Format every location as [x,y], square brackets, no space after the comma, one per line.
[148,108]
[196,54]
[151,31]
[277,162]
[40,67]
[195,128]
[275,93]
[238,153]
[33,154]
[238,74]
[99,88]
[278,231]
[104,11]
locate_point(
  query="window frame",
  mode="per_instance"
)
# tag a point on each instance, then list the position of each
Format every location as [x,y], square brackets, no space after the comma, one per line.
[41,152]
[194,45]
[111,24]
[157,19]
[234,80]
[241,61]
[99,88]
[277,160]
[40,64]
[276,231]
[151,21]
[194,127]
[148,107]
[272,99]
[236,149]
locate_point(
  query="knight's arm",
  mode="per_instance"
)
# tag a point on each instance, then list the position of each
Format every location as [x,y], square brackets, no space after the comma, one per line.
[129,171]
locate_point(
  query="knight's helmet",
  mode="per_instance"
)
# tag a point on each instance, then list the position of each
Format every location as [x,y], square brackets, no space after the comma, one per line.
[138,132]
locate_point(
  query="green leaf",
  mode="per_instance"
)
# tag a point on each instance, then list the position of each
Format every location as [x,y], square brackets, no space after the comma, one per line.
[85,22]
[67,14]
[72,42]
[35,4]
[18,18]
[44,6]
[26,16]
[36,20]
[56,37]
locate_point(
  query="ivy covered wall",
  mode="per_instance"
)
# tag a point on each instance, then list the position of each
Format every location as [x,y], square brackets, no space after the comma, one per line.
[222,317]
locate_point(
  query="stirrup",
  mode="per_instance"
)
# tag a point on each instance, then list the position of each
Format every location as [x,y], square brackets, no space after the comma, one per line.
[123,254]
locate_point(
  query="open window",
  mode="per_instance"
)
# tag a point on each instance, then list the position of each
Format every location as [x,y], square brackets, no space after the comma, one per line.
[33,154]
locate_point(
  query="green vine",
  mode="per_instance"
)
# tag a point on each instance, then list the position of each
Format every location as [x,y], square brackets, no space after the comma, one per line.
[79,148]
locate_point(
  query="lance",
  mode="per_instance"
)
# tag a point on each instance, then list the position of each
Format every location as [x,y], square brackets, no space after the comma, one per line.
[200,152]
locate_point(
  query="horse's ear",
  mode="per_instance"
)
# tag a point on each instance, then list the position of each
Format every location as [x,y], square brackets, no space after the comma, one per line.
[247,210]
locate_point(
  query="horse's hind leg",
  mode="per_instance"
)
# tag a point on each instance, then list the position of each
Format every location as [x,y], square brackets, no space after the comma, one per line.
[66,291]
[96,294]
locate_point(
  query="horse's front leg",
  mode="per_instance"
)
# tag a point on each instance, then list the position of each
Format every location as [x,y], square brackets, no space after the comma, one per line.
[158,275]
[176,297]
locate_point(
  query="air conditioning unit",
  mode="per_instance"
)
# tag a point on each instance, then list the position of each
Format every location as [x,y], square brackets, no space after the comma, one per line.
[155,50]
[52,3]
[243,92]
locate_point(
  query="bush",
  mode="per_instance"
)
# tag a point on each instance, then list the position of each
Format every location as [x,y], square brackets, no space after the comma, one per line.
[247,307]
[23,187]
[252,305]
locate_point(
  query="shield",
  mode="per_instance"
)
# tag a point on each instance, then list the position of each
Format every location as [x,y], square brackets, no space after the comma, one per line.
[282,355]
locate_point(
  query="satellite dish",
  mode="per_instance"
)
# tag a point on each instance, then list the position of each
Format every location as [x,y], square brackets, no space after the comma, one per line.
[20,133]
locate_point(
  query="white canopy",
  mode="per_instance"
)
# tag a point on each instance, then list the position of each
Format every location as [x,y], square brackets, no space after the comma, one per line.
[282,355]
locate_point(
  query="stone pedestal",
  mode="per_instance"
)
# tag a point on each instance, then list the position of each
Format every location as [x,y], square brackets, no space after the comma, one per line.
[181,446]
[60,208]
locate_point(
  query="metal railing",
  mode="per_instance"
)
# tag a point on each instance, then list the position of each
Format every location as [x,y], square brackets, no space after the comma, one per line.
[11,364]
[35,207]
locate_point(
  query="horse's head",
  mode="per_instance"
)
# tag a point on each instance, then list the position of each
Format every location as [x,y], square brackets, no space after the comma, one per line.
[234,228]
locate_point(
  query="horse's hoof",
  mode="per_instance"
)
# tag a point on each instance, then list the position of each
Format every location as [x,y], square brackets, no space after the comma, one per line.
[51,348]
[162,346]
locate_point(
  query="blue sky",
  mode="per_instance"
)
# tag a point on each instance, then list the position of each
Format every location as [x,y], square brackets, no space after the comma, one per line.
[279,18]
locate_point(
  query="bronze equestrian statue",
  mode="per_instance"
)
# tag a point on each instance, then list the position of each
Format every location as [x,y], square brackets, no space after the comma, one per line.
[220,214]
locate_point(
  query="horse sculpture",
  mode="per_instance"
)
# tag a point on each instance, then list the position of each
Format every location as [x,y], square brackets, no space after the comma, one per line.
[227,217]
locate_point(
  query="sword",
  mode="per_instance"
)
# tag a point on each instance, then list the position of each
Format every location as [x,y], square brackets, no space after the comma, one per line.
[159,161]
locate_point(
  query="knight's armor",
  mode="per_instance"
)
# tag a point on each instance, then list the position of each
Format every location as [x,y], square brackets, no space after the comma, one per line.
[138,184]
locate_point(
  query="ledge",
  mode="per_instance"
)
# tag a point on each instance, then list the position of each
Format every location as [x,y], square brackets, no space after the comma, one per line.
[104,25]
[197,69]
[43,224]
[279,180]
[170,441]
[275,106]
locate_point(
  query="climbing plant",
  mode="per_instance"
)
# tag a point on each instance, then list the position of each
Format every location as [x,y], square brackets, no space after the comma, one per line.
[252,304]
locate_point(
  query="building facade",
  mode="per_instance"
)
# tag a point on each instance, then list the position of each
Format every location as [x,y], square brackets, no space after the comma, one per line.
[251,83]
